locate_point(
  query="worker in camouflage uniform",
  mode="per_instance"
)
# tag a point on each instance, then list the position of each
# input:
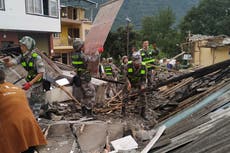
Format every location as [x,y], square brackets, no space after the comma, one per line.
[124,64]
[123,68]
[35,67]
[111,72]
[101,68]
[155,49]
[115,69]
[83,89]
[136,81]
[147,56]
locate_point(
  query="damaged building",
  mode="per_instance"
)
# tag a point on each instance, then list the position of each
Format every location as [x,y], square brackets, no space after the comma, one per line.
[187,111]
[207,50]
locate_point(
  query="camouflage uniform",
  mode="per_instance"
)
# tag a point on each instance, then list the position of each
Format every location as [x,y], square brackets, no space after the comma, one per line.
[124,66]
[148,59]
[111,72]
[83,89]
[110,92]
[137,77]
[33,64]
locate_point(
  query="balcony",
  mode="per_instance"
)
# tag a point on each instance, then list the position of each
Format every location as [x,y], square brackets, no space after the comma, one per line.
[71,15]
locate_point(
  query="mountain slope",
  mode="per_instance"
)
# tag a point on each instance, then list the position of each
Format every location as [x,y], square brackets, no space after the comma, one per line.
[137,9]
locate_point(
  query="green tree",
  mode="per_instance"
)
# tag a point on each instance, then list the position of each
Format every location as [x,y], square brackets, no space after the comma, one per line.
[210,17]
[160,28]
[115,45]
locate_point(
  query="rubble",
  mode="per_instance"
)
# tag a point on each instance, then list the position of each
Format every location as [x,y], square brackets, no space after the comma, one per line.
[67,131]
[163,103]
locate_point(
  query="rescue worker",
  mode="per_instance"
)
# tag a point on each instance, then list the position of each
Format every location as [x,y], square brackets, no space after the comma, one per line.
[155,49]
[124,64]
[147,56]
[101,68]
[19,130]
[115,69]
[135,52]
[110,92]
[137,80]
[35,67]
[83,89]
[111,71]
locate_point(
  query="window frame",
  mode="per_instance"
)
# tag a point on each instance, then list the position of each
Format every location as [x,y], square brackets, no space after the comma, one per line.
[33,7]
[57,35]
[3,5]
[56,7]
[42,8]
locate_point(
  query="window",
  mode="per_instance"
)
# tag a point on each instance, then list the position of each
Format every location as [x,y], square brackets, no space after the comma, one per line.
[56,35]
[53,8]
[64,58]
[74,32]
[5,44]
[34,7]
[42,7]
[46,7]
[2,7]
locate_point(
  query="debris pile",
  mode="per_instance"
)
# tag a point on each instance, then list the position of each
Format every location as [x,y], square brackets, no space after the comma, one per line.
[66,131]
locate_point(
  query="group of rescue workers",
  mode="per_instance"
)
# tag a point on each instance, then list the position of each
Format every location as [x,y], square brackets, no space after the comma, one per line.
[137,73]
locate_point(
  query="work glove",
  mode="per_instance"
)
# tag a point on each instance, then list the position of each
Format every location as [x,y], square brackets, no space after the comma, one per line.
[26,86]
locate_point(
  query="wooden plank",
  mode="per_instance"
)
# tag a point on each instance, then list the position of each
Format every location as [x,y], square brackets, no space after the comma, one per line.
[160,131]
[198,73]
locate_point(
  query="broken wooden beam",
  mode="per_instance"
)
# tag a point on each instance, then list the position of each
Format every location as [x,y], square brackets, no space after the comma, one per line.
[197,73]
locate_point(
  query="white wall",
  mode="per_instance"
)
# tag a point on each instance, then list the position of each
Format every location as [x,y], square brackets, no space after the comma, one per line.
[15,18]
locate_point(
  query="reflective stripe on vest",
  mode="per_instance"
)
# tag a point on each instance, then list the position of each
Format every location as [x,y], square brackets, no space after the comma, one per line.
[78,63]
[143,72]
[108,70]
[150,62]
[130,70]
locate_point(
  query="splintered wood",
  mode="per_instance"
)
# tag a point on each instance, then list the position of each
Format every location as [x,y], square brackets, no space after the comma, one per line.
[177,93]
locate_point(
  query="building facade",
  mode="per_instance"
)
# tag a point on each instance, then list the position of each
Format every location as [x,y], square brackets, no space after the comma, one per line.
[208,50]
[74,24]
[36,18]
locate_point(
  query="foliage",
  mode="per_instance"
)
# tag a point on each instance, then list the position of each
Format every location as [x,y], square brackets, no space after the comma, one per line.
[210,17]
[159,28]
[137,9]
[115,45]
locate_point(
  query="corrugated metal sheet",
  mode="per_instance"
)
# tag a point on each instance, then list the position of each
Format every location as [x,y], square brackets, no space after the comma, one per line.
[102,25]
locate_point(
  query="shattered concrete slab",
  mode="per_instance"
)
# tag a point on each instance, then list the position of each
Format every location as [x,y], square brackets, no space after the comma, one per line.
[79,136]
[58,95]
[60,140]
[93,137]
[16,75]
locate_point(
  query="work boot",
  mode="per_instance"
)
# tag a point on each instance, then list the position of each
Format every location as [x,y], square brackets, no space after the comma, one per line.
[143,114]
[90,113]
[83,111]
[123,111]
